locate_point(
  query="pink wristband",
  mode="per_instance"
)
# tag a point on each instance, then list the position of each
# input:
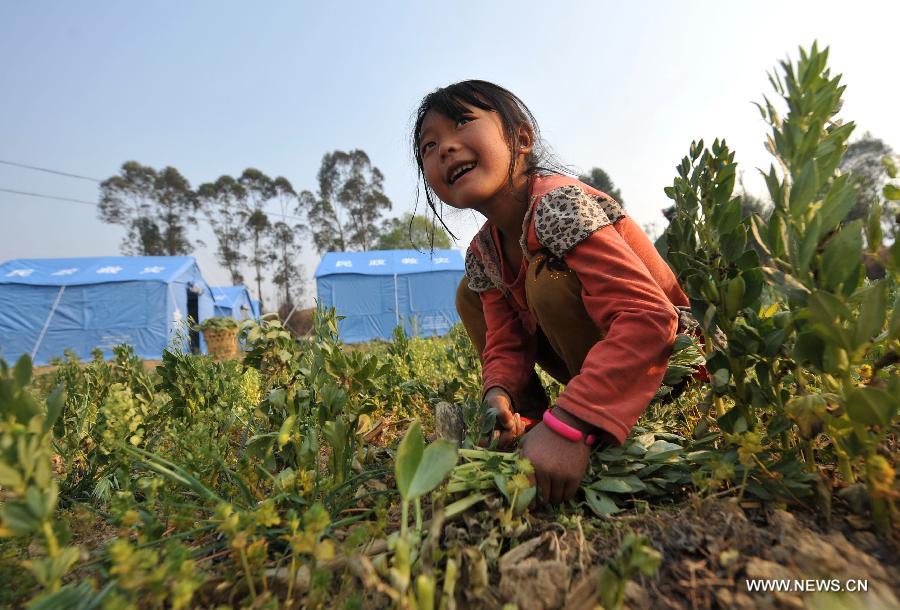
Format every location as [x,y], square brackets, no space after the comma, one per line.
[566,431]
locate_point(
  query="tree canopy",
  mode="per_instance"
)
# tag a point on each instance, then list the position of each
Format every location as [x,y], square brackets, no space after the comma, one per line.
[863,160]
[344,213]
[411,232]
[601,181]
[223,204]
[155,207]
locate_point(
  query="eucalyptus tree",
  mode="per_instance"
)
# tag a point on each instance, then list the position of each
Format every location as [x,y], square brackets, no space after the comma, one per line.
[261,190]
[285,245]
[601,181]
[343,215]
[411,231]
[224,204]
[155,208]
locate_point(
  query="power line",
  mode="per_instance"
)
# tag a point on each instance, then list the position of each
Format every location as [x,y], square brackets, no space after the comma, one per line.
[94,203]
[70,175]
[49,171]
[91,203]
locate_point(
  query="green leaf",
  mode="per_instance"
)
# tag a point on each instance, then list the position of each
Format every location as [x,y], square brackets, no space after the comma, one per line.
[72,597]
[809,348]
[524,499]
[827,314]
[22,372]
[894,324]
[16,516]
[837,204]
[871,314]
[871,406]
[731,217]
[804,189]
[734,244]
[874,234]
[891,192]
[733,421]
[662,450]
[55,403]
[284,433]
[889,166]
[620,485]
[756,224]
[809,244]
[843,255]
[720,378]
[753,285]
[600,503]
[10,477]
[419,469]
[37,503]
[409,456]
[788,284]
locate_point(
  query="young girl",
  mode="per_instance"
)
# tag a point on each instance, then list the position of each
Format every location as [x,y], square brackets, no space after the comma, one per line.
[559,276]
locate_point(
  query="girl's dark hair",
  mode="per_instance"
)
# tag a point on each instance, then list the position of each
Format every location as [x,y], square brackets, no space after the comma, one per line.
[451,101]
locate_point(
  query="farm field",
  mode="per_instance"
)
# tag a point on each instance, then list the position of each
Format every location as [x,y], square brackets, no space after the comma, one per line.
[308,474]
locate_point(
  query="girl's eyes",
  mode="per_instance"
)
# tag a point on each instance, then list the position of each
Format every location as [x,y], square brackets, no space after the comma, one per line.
[459,122]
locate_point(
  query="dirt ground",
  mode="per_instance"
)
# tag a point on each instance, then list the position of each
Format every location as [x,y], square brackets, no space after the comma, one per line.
[709,551]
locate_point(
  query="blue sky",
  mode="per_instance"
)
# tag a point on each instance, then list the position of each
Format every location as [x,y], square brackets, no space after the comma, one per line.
[215,87]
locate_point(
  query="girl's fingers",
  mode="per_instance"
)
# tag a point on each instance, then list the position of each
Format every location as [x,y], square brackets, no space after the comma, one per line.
[507,438]
[557,488]
[505,418]
[571,488]
[543,483]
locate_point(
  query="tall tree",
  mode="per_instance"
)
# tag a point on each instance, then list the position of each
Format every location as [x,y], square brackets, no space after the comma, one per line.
[601,181]
[286,246]
[863,161]
[288,271]
[224,204]
[260,190]
[411,231]
[343,215]
[155,207]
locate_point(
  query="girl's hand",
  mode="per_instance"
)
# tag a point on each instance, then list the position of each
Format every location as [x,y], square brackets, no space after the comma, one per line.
[509,424]
[559,464]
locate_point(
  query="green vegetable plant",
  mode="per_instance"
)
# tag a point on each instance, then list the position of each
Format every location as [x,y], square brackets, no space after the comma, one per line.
[635,556]
[787,338]
[30,491]
[217,323]
[841,320]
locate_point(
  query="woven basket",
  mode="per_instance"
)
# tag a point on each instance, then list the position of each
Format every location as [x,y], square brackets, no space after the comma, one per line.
[221,343]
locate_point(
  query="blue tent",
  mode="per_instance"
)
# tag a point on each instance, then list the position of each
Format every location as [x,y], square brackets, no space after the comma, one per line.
[254,305]
[50,305]
[233,302]
[380,289]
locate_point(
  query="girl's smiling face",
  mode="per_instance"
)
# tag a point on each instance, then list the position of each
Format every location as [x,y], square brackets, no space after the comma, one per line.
[466,161]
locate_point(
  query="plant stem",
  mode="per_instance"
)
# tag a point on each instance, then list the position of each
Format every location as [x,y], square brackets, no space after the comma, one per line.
[418,516]
[461,506]
[293,577]
[246,567]
[404,516]
[810,455]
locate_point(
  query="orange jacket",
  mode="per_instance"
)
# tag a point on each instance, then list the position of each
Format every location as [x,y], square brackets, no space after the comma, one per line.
[627,289]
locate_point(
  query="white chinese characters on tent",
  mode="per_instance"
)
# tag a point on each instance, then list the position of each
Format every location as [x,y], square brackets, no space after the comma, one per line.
[48,306]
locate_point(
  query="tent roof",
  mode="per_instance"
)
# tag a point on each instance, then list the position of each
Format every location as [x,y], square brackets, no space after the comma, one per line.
[227,296]
[389,262]
[94,270]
